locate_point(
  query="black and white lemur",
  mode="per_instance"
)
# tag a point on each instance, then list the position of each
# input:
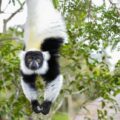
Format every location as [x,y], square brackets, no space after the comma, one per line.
[45,32]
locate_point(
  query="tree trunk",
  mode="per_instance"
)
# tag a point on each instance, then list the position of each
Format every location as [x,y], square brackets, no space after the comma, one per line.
[70,108]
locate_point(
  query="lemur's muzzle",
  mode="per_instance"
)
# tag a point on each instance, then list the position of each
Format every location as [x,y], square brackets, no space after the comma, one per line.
[34,65]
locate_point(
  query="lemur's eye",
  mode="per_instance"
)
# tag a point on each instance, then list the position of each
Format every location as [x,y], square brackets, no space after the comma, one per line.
[38,60]
[29,59]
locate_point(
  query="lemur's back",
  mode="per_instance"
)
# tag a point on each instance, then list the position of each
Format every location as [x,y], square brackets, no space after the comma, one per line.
[43,21]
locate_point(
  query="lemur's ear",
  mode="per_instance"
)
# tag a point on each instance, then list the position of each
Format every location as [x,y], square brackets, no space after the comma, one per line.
[22,54]
[46,55]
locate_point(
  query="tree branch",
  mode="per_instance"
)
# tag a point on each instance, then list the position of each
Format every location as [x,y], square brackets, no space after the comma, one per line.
[5,21]
[112,3]
[89,10]
[1,6]
[12,38]
[115,5]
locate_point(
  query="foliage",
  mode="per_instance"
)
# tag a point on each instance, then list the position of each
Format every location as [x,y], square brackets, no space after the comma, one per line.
[84,37]
[10,90]
[60,116]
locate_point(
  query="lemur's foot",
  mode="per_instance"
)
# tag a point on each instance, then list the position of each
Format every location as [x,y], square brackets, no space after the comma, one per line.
[45,107]
[36,106]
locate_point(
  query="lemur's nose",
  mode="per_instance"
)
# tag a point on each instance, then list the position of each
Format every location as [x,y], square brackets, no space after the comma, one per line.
[34,65]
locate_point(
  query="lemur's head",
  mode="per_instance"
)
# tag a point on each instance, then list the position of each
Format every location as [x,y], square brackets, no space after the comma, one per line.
[33,60]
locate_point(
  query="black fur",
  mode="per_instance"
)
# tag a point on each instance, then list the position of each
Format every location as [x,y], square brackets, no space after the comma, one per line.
[53,70]
[45,106]
[28,78]
[35,104]
[52,45]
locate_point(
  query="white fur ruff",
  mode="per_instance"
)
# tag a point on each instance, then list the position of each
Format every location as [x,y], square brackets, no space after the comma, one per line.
[42,70]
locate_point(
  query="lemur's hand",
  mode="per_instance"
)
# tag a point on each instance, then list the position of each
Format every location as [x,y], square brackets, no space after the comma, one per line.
[36,106]
[45,107]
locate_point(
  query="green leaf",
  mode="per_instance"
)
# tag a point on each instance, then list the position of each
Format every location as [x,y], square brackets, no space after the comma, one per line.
[56,3]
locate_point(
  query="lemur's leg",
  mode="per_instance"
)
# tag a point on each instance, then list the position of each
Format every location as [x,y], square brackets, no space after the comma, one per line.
[53,78]
[29,89]
[53,85]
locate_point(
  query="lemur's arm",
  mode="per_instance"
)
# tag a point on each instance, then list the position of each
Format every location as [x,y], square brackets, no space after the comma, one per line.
[29,89]
[53,78]
[52,91]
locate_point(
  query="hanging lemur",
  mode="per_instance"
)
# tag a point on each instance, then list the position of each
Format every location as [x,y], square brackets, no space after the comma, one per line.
[45,32]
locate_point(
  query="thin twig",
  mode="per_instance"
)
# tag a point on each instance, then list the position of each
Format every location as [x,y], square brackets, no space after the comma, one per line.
[115,5]
[12,38]
[1,6]
[11,16]
[89,10]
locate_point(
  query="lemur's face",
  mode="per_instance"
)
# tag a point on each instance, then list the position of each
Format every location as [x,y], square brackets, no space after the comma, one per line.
[34,60]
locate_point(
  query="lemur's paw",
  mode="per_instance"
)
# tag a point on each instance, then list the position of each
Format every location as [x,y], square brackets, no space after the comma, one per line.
[36,106]
[45,107]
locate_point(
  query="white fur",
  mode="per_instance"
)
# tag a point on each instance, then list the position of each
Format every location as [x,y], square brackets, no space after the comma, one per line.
[29,92]
[53,88]
[42,70]
[43,21]
[46,55]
